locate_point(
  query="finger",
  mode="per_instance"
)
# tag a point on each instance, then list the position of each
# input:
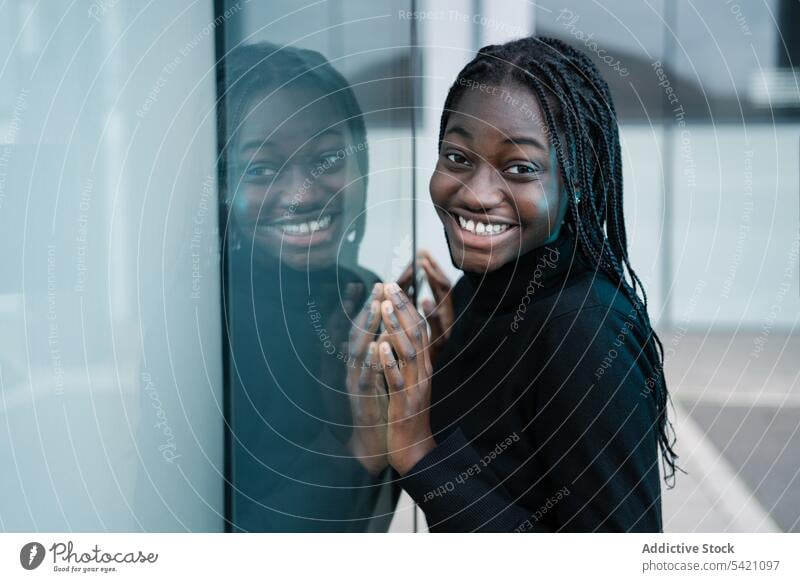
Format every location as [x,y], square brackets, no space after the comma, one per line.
[441,288]
[406,278]
[442,293]
[397,335]
[365,326]
[350,298]
[432,315]
[408,318]
[434,270]
[360,317]
[412,344]
[366,380]
[391,371]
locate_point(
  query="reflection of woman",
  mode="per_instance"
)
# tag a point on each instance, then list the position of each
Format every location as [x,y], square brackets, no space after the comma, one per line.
[297,165]
[548,403]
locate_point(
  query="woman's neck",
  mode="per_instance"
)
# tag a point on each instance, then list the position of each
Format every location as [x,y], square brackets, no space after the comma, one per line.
[544,267]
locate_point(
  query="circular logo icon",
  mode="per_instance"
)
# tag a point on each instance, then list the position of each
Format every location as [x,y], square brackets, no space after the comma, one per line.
[31,555]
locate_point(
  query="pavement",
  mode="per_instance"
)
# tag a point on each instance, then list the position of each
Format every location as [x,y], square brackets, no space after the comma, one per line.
[737,418]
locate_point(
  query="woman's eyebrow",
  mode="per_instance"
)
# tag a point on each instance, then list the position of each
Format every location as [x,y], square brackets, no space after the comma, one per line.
[524,140]
[262,144]
[460,131]
[257,144]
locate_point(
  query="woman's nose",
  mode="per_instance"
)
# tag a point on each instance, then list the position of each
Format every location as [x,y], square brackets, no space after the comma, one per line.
[293,181]
[291,186]
[485,189]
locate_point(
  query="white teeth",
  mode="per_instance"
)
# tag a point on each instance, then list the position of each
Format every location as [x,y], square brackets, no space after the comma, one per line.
[299,228]
[481,228]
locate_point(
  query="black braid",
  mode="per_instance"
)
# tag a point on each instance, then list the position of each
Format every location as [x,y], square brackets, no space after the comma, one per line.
[576,103]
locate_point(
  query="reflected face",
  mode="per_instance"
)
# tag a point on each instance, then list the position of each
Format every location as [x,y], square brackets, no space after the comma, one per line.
[295,171]
[497,187]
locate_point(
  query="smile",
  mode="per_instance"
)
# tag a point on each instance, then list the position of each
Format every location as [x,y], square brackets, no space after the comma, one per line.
[481,228]
[299,228]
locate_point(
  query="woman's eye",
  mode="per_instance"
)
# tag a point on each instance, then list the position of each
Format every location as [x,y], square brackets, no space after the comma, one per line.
[329,160]
[457,159]
[326,163]
[261,170]
[522,169]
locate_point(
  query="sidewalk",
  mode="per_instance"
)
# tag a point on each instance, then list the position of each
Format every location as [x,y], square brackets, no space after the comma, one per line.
[711,497]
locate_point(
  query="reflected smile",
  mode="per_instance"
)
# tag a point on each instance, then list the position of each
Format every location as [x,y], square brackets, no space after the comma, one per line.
[299,228]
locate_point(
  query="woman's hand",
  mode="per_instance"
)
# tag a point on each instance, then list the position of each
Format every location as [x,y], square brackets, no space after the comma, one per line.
[365,386]
[440,312]
[408,376]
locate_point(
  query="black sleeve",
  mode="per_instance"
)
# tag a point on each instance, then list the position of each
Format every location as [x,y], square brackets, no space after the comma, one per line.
[455,501]
[593,422]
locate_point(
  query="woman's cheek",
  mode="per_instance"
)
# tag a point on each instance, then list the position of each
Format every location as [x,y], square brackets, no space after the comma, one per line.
[544,204]
[441,185]
[250,200]
[332,181]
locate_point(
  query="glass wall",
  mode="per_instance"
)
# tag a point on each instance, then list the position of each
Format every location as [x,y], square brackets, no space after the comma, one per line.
[110,342]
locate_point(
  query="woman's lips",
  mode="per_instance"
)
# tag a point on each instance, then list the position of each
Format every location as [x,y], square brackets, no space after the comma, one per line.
[304,232]
[481,234]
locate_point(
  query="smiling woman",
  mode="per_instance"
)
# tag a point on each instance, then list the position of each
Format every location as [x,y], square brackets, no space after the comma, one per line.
[510,429]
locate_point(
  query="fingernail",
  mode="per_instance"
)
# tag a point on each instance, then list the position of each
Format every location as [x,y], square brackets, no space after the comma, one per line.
[386,348]
[387,307]
[375,288]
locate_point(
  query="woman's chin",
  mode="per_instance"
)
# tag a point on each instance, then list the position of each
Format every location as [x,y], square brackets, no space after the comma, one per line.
[471,261]
[310,260]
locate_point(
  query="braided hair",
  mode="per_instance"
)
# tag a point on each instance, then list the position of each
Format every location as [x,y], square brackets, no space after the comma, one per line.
[252,70]
[577,105]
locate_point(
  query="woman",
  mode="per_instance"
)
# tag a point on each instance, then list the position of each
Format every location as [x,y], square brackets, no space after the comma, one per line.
[295,152]
[547,404]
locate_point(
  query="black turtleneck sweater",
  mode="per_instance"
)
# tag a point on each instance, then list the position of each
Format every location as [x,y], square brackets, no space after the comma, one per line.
[540,405]
[290,414]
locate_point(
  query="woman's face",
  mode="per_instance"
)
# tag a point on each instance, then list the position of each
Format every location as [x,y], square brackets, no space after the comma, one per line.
[497,187]
[297,176]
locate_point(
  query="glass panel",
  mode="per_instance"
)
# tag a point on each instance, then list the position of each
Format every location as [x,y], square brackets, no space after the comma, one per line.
[624,39]
[110,333]
[738,60]
[317,148]
[735,233]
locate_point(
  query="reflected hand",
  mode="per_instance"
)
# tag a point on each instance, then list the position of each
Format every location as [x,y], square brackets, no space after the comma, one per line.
[439,313]
[408,377]
[365,387]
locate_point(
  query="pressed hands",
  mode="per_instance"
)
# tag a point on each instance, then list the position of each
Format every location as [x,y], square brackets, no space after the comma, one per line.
[389,376]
